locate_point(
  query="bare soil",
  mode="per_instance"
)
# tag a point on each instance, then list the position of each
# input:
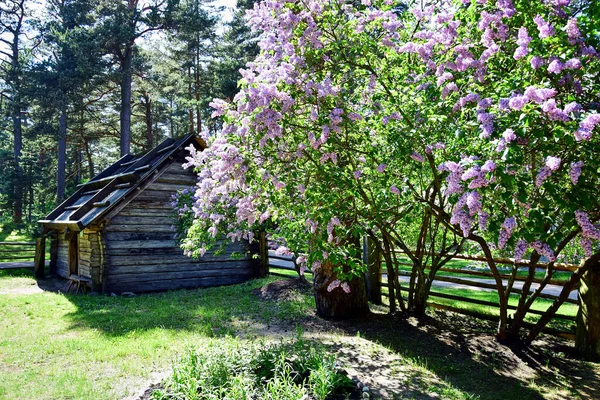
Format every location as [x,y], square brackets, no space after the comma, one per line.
[444,355]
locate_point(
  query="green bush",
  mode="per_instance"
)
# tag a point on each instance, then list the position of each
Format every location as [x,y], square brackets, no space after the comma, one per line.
[290,370]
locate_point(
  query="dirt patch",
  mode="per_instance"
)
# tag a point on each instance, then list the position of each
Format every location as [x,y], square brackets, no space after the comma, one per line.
[25,285]
[285,289]
[441,356]
[445,355]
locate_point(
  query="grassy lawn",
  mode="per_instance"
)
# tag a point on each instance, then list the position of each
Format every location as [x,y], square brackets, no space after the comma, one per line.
[96,347]
[57,346]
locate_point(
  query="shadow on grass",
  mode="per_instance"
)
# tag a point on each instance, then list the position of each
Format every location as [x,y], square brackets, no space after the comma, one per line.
[215,311]
[475,363]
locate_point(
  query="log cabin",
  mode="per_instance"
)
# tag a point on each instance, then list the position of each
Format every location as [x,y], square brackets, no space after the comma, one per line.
[115,232]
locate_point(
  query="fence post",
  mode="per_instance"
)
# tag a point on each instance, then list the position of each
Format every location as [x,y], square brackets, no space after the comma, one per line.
[264,254]
[371,258]
[39,261]
[587,339]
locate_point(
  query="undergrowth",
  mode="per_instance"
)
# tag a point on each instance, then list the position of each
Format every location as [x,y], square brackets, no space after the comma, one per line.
[229,369]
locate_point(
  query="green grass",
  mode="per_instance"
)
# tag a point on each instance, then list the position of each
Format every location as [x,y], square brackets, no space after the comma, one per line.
[74,346]
[229,369]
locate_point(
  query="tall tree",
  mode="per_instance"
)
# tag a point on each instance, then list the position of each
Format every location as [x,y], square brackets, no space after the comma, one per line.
[12,18]
[121,25]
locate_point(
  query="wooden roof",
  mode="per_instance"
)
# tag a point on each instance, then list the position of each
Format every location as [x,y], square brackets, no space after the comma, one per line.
[95,198]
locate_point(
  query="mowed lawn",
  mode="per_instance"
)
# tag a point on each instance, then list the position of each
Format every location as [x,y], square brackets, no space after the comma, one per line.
[56,346]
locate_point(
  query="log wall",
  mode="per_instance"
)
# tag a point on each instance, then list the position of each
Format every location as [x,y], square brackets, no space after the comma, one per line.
[62,256]
[91,257]
[142,252]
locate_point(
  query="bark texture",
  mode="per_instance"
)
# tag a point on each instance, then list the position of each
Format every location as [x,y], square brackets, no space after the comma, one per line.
[337,303]
[587,339]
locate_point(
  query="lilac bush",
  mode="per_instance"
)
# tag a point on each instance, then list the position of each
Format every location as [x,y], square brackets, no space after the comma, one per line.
[423,126]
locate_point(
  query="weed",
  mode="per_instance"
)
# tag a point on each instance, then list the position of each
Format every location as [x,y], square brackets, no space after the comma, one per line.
[227,370]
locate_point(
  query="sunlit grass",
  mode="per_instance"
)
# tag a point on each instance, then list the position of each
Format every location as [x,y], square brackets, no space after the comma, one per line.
[74,346]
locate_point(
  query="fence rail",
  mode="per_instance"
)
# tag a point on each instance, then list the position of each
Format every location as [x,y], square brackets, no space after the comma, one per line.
[469,284]
[16,255]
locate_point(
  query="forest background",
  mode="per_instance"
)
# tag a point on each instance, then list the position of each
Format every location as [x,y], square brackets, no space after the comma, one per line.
[83,82]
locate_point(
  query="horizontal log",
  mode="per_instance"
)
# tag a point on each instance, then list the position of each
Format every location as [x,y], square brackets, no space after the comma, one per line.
[138,228]
[136,287]
[508,261]
[148,220]
[17,243]
[177,259]
[177,168]
[490,275]
[180,275]
[210,268]
[168,186]
[17,251]
[114,236]
[177,179]
[492,286]
[151,204]
[141,244]
[146,212]
[491,304]
[18,258]
[155,195]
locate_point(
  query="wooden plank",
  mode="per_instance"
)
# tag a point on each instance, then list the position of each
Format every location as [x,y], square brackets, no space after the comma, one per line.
[151,204]
[178,179]
[138,228]
[490,304]
[164,254]
[168,186]
[118,287]
[176,271]
[40,256]
[160,254]
[114,236]
[492,286]
[141,244]
[152,258]
[139,220]
[503,276]
[509,261]
[146,212]
[181,275]
[155,195]
[17,243]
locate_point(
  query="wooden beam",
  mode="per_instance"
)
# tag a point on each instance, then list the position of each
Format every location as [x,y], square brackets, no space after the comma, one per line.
[39,262]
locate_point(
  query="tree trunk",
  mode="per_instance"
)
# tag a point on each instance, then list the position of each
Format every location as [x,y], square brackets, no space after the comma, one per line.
[126,100]
[371,258]
[197,82]
[337,303]
[587,340]
[62,154]
[421,294]
[18,135]
[191,110]
[148,114]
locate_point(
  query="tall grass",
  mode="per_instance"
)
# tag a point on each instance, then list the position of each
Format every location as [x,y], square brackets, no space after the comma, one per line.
[229,369]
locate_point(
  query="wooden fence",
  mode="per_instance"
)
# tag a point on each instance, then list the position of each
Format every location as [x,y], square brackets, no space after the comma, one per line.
[15,252]
[286,263]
